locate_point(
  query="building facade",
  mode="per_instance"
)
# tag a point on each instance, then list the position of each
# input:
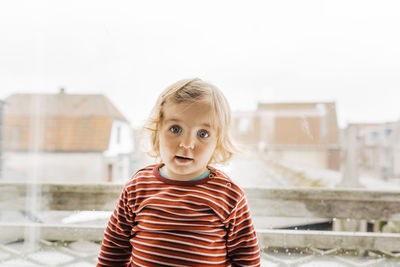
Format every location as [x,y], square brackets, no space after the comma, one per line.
[305,133]
[379,148]
[65,138]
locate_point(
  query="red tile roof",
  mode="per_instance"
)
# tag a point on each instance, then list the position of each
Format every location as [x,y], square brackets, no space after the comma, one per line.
[60,122]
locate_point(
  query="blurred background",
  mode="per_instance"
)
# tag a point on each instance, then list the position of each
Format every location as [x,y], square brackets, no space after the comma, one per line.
[78,79]
[313,87]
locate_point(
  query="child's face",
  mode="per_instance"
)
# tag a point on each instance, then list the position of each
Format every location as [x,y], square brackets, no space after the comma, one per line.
[187,140]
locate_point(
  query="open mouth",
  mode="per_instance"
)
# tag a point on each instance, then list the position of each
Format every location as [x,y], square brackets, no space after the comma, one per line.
[183,159]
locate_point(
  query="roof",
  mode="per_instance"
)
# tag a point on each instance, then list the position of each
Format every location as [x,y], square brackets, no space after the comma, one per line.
[60,122]
[297,109]
[62,104]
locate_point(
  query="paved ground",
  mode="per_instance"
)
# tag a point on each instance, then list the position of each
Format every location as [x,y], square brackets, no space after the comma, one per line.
[84,254]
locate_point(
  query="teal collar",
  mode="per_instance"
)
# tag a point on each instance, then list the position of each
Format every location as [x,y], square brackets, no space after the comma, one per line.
[204,175]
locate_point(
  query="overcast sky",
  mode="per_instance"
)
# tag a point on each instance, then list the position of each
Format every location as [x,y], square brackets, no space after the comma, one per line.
[342,51]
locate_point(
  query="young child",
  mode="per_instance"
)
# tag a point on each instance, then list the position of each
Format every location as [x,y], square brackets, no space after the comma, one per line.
[182,211]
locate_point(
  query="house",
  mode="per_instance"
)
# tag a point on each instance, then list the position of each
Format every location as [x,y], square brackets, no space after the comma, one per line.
[379,148]
[66,138]
[305,133]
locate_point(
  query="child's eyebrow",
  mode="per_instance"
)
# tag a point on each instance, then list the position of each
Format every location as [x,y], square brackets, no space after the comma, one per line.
[172,120]
[207,125]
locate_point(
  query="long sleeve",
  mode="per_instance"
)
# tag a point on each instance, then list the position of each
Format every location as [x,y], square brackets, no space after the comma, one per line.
[115,248]
[242,243]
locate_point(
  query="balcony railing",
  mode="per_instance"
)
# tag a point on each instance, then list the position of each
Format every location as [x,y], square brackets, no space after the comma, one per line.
[282,246]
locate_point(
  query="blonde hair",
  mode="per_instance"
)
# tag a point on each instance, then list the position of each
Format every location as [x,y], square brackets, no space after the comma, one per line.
[195,91]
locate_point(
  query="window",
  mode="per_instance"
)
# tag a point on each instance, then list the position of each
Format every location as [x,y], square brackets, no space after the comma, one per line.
[118,135]
[313,88]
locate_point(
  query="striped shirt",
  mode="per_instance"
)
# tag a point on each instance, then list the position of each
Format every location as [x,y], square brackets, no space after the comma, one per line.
[163,222]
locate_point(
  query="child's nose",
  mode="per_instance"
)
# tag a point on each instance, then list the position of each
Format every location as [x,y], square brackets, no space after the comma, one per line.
[187,142]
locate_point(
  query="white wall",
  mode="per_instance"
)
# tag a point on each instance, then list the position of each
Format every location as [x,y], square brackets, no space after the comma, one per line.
[121,168]
[396,161]
[121,139]
[119,151]
[56,167]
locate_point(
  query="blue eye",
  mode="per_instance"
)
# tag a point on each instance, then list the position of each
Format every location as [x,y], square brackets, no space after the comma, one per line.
[203,134]
[175,129]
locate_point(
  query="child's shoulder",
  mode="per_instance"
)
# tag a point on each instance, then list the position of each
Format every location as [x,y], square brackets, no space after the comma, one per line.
[147,169]
[220,174]
[145,172]
[226,182]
